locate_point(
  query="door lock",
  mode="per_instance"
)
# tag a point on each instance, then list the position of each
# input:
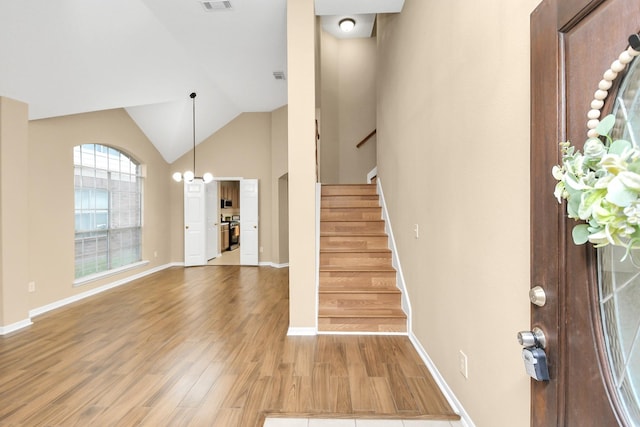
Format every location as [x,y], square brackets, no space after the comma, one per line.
[534,338]
[537,296]
[533,354]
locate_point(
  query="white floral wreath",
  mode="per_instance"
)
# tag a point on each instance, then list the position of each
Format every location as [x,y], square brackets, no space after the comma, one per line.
[602,184]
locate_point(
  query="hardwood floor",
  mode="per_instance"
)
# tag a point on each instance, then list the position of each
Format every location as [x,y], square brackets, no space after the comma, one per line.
[202,346]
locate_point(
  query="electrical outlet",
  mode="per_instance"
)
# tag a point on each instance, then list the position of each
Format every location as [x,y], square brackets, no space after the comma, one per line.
[416,230]
[261,249]
[31,286]
[155,254]
[463,364]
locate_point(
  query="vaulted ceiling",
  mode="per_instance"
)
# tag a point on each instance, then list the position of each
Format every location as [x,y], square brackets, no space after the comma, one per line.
[73,56]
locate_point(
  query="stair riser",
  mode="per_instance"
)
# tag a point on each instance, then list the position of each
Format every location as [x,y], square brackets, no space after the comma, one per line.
[355,242]
[348,190]
[348,214]
[356,260]
[352,227]
[356,301]
[362,325]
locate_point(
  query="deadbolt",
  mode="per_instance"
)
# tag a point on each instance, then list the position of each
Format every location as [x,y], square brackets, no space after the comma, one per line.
[534,338]
[537,296]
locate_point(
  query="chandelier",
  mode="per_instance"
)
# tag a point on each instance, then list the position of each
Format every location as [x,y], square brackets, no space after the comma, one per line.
[189,176]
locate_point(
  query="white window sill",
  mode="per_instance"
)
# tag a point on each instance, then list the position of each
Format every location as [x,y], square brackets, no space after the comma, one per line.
[93,277]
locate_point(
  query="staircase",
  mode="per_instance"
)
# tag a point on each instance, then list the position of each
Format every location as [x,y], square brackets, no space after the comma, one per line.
[358,291]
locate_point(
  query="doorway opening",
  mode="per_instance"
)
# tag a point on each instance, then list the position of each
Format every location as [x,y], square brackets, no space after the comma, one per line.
[228,214]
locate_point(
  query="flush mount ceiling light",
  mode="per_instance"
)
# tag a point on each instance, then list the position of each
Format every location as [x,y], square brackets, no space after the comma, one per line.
[189,176]
[347,24]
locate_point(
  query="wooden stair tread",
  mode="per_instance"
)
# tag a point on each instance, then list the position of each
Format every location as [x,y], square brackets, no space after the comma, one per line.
[349,208]
[350,197]
[352,220]
[352,234]
[346,312]
[355,250]
[358,289]
[355,268]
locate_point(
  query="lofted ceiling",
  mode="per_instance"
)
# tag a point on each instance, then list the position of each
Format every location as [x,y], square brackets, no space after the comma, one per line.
[74,56]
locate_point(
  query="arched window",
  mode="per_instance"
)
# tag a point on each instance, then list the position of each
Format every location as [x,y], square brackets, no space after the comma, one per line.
[108,210]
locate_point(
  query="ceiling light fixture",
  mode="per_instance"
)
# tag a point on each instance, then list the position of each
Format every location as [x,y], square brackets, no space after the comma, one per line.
[347,24]
[189,176]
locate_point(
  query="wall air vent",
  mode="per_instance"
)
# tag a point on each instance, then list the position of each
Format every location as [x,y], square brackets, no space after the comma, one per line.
[279,75]
[216,5]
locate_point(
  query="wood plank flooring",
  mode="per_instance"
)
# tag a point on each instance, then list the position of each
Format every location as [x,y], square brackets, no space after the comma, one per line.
[202,346]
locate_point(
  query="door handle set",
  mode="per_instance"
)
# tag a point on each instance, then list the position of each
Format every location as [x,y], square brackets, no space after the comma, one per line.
[534,338]
[534,342]
[537,296]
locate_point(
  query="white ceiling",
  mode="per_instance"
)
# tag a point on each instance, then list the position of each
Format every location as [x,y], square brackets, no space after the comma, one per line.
[73,56]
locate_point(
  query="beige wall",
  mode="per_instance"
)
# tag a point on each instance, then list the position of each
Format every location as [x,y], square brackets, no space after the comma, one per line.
[329,146]
[242,148]
[348,108]
[453,157]
[279,167]
[51,195]
[14,212]
[301,162]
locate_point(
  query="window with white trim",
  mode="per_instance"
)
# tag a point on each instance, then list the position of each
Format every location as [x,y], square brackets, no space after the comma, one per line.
[108,209]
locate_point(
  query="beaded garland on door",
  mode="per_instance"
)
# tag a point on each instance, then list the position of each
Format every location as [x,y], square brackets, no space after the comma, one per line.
[607,81]
[601,184]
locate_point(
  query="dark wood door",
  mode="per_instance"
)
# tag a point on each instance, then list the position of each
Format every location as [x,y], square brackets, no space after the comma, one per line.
[573,42]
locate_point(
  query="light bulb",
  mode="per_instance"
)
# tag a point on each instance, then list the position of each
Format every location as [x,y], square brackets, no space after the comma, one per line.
[188,176]
[207,177]
[347,24]
[177,177]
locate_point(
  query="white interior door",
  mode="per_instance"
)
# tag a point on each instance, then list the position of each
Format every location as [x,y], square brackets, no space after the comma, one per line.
[249,230]
[213,232]
[194,223]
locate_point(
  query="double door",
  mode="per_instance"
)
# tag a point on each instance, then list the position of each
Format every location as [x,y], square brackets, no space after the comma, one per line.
[200,217]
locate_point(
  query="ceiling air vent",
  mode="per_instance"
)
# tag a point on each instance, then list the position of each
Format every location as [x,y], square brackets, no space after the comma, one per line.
[279,75]
[215,5]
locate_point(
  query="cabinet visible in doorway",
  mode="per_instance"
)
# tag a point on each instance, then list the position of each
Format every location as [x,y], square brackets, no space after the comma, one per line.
[224,237]
[230,190]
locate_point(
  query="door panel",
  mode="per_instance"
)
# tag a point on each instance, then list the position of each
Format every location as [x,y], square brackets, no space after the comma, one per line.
[194,223]
[213,232]
[572,44]
[249,230]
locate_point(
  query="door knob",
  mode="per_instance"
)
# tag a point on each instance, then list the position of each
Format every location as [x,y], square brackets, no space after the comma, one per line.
[537,296]
[532,338]
[187,227]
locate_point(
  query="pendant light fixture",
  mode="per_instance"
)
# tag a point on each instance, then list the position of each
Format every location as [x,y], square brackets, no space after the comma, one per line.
[189,176]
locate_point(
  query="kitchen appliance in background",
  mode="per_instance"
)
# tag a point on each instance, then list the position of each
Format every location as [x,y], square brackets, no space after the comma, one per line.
[234,234]
[225,203]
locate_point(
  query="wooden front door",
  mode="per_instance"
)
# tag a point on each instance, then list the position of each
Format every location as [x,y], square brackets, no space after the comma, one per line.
[573,42]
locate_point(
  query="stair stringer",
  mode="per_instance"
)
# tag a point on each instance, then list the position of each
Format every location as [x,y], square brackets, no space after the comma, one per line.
[317,292]
[395,259]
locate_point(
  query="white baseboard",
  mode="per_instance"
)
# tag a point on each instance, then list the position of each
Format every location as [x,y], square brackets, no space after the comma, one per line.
[444,387]
[273,264]
[293,331]
[402,334]
[57,304]
[4,330]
